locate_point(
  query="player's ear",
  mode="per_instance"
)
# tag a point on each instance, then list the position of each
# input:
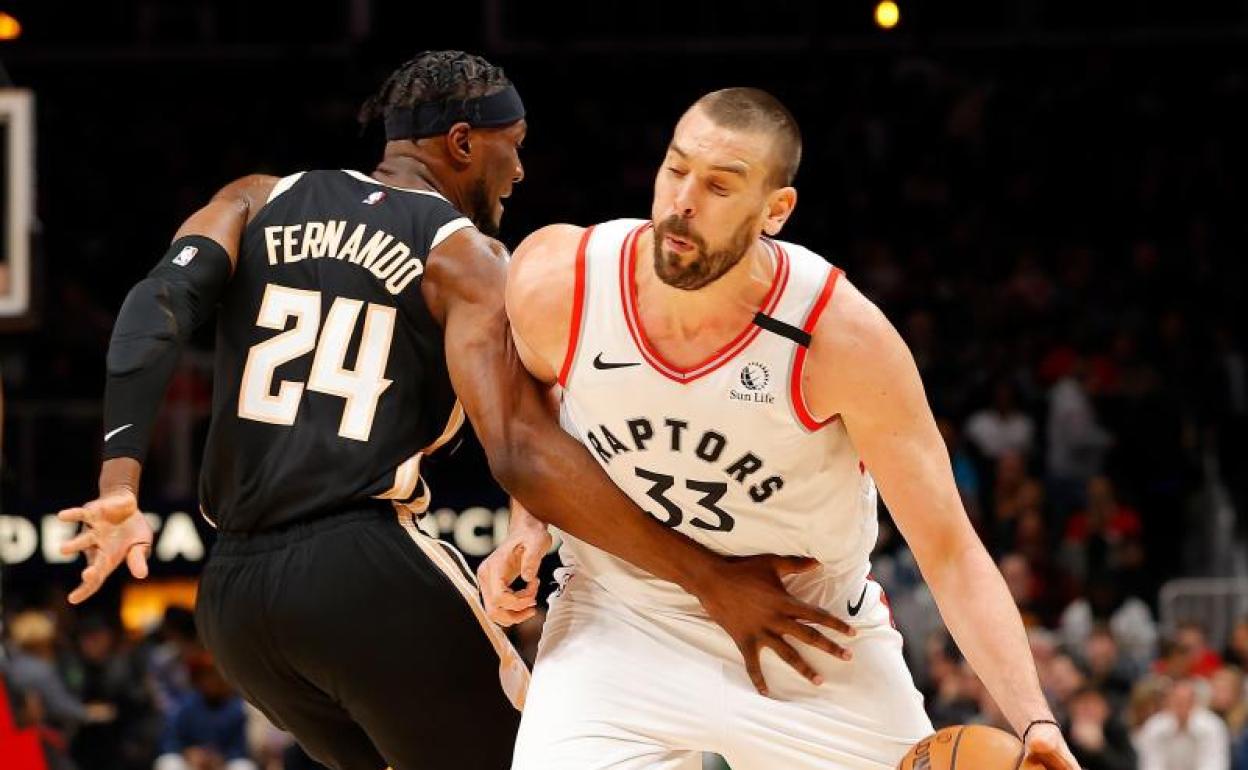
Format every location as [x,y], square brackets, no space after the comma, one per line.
[459,143]
[780,205]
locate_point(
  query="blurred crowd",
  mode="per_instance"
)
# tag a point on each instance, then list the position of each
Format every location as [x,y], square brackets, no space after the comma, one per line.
[99,700]
[1057,235]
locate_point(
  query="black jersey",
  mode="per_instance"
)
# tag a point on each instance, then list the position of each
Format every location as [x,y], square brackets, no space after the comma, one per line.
[330,371]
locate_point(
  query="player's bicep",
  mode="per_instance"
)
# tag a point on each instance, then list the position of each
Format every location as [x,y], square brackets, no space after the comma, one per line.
[468,278]
[224,218]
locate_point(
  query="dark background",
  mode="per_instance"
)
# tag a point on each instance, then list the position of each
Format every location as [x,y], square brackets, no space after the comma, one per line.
[1032,190]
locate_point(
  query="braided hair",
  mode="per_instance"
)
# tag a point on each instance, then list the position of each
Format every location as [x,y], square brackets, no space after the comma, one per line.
[431,77]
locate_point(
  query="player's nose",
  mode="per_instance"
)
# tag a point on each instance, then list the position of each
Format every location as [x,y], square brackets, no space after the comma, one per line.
[683,202]
[518,174]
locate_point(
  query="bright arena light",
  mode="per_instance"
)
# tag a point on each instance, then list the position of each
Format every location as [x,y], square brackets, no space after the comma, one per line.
[10,28]
[887,14]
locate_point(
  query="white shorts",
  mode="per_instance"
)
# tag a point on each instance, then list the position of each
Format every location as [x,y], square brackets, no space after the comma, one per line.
[624,689]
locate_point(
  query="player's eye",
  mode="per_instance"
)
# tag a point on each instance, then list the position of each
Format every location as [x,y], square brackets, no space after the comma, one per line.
[676,172]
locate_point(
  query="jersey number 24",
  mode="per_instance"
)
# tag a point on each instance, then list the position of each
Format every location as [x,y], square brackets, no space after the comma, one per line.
[360,387]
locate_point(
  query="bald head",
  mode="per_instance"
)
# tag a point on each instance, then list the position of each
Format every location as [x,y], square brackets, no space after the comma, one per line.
[755,111]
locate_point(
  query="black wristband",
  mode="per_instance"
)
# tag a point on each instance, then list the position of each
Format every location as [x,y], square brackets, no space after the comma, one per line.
[1035,722]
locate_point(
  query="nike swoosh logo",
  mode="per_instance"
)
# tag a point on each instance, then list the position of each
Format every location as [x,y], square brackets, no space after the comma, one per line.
[600,364]
[853,608]
[115,431]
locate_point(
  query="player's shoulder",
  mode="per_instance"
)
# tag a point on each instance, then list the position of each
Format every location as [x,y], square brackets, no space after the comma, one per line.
[852,336]
[249,193]
[549,254]
[542,273]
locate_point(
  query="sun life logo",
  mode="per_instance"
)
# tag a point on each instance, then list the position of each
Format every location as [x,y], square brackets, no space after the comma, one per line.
[755,376]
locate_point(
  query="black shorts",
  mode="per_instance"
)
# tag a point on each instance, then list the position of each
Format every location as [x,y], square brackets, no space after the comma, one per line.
[355,634]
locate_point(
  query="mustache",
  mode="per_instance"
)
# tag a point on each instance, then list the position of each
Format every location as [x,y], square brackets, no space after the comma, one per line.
[679,226]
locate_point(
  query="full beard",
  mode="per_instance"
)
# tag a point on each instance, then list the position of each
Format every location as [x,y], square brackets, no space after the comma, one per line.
[705,266]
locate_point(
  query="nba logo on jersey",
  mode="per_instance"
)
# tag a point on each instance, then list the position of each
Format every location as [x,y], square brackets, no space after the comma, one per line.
[185,256]
[375,197]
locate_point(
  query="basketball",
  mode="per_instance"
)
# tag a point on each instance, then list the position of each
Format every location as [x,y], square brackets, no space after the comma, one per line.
[965,747]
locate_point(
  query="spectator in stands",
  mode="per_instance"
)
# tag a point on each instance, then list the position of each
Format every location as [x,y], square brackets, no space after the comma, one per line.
[1237,647]
[1184,735]
[1128,618]
[1077,441]
[957,699]
[1108,672]
[104,672]
[167,663]
[1061,679]
[1003,427]
[1028,589]
[1097,741]
[208,731]
[1095,537]
[965,472]
[1189,655]
[32,669]
[1229,700]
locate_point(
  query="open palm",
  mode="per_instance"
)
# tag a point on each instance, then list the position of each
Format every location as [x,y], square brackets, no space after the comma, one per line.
[113,531]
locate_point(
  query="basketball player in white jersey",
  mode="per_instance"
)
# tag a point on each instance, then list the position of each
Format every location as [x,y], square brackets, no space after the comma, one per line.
[747,394]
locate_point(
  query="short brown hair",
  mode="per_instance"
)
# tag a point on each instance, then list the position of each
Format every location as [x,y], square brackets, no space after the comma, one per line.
[752,109]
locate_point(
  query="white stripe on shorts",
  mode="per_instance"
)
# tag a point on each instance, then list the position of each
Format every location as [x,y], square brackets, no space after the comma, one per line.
[512,672]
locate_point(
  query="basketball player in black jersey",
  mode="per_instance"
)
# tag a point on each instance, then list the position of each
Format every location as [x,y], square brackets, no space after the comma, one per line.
[353,311]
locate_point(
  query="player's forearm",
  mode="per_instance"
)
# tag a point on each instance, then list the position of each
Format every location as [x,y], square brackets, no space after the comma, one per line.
[152,327]
[558,481]
[984,621]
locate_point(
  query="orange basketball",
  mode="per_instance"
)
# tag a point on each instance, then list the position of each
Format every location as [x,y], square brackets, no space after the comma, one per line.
[965,747]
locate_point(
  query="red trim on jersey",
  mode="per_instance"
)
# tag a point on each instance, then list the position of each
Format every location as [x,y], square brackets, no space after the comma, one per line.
[578,309]
[632,315]
[892,619]
[799,359]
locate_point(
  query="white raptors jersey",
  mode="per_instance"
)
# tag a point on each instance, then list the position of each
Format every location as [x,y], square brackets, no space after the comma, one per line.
[726,451]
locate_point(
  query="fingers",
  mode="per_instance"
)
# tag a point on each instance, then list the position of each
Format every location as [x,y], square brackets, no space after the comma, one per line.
[791,565]
[81,542]
[812,614]
[515,600]
[791,656]
[753,667]
[506,607]
[136,560]
[510,618]
[530,563]
[77,515]
[804,633]
[90,584]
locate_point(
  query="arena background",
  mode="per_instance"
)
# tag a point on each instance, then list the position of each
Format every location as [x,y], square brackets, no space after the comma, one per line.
[1046,198]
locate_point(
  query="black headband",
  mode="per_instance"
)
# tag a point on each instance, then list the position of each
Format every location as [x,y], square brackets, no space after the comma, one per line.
[500,109]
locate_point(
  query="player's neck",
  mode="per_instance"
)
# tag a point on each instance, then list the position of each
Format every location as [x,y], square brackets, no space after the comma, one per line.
[402,170]
[726,303]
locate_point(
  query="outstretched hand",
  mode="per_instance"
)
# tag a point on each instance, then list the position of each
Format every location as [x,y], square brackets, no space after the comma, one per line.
[113,531]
